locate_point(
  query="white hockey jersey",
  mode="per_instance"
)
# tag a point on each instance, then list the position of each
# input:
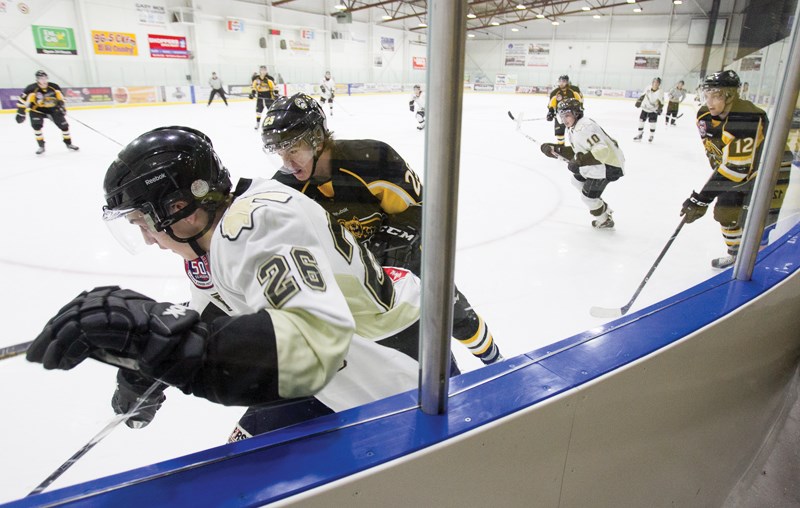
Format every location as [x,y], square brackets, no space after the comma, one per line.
[587,136]
[327,88]
[419,102]
[652,100]
[276,249]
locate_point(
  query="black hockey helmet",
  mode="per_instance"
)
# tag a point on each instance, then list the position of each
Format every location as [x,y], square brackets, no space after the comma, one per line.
[722,79]
[564,77]
[571,105]
[291,119]
[161,167]
[41,74]
[417,87]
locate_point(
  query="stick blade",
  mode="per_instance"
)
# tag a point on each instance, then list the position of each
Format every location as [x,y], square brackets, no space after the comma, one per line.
[604,312]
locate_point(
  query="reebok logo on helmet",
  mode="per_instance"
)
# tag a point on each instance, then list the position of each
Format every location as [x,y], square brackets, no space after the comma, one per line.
[155,179]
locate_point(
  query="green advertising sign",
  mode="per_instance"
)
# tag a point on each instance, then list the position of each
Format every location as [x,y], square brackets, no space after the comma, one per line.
[54,40]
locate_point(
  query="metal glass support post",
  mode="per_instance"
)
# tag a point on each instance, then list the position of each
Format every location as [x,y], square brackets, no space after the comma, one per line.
[444,90]
[771,159]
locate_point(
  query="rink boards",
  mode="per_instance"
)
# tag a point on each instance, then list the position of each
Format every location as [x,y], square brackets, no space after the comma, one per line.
[667,406]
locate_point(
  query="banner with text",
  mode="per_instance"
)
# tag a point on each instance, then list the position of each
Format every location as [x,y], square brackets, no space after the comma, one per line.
[114,43]
[167,46]
[54,40]
[150,14]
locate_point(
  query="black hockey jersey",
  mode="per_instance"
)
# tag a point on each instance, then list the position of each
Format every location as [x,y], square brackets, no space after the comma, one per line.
[733,144]
[37,98]
[370,183]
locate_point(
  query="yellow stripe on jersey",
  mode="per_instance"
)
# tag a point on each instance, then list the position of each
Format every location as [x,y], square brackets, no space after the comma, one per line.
[326,189]
[394,199]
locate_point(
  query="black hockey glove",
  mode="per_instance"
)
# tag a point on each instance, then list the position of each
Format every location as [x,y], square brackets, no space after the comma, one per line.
[20,117]
[659,110]
[411,105]
[396,246]
[694,207]
[130,388]
[555,151]
[639,101]
[322,88]
[551,114]
[252,95]
[121,327]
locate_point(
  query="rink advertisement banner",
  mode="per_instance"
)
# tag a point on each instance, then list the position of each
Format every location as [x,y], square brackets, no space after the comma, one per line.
[538,55]
[114,43]
[235,25]
[647,59]
[135,94]
[387,44]
[87,95]
[505,79]
[527,54]
[9,97]
[419,63]
[751,62]
[167,46]
[151,14]
[54,40]
[180,93]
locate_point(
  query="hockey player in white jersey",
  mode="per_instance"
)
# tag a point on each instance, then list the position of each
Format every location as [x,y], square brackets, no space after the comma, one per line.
[674,99]
[594,158]
[327,91]
[652,104]
[417,104]
[285,303]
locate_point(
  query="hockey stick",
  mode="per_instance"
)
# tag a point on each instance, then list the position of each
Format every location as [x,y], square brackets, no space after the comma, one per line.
[521,118]
[15,350]
[111,425]
[603,312]
[95,130]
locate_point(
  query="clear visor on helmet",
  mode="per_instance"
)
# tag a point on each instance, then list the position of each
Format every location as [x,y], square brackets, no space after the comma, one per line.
[278,152]
[713,93]
[130,227]
[566,113]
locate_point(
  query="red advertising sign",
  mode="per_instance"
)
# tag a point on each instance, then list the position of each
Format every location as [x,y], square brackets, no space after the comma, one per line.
[419,62]
[167,46]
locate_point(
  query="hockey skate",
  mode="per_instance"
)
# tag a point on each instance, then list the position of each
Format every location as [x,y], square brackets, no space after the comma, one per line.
[604,221]
[72,147]
[650,139]
[638,137]
[724,261]
[40,150]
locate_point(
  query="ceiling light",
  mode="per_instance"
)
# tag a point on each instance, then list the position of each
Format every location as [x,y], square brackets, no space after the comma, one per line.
[631,1]
[555,23]
[677,2]
[515,29]
[540,16]
[341,7]
[494,23]
[471,16]
[422,25]
[386,17]
[637,9]
[521,7]
[597,16]
[586,8]
[470,35]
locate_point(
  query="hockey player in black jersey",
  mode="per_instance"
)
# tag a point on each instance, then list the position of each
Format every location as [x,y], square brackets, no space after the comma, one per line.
[732,131]
[44,99]
[264,91]
[368,188]
[564,90]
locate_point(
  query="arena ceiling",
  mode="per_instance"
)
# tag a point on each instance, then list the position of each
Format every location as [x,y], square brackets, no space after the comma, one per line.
[482,14]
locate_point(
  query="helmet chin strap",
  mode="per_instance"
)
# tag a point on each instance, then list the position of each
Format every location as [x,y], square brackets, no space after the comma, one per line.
[192,241]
